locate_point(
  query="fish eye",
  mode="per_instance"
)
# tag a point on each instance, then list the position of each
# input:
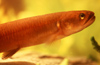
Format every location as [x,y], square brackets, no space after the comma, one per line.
[82,16]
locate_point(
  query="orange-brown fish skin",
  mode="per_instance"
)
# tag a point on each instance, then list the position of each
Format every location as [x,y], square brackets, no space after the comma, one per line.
[42,29]
[26,32]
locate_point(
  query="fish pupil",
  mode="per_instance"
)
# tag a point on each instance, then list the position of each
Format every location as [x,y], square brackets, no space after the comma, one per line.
[82,15]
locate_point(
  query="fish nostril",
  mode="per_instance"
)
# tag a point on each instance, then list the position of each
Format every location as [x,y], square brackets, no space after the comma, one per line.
[92,14]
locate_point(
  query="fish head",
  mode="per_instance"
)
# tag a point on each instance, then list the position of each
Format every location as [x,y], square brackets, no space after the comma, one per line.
[75,21]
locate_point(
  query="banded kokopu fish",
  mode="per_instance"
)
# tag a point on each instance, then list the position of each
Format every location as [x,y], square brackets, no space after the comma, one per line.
[41,29]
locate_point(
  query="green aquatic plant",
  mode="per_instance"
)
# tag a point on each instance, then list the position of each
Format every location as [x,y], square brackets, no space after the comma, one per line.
[95,44]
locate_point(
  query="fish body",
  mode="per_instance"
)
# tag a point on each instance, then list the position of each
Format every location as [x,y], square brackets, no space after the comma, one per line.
[41,29]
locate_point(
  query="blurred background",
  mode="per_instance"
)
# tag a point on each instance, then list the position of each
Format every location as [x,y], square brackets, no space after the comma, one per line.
[76,45]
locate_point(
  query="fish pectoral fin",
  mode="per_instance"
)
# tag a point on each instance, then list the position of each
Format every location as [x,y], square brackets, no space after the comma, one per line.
[8,54]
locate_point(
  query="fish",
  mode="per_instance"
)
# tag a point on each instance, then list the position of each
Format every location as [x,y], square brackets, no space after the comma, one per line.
[40,29]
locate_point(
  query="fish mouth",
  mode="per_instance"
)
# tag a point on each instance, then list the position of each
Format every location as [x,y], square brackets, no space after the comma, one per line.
[90,20]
